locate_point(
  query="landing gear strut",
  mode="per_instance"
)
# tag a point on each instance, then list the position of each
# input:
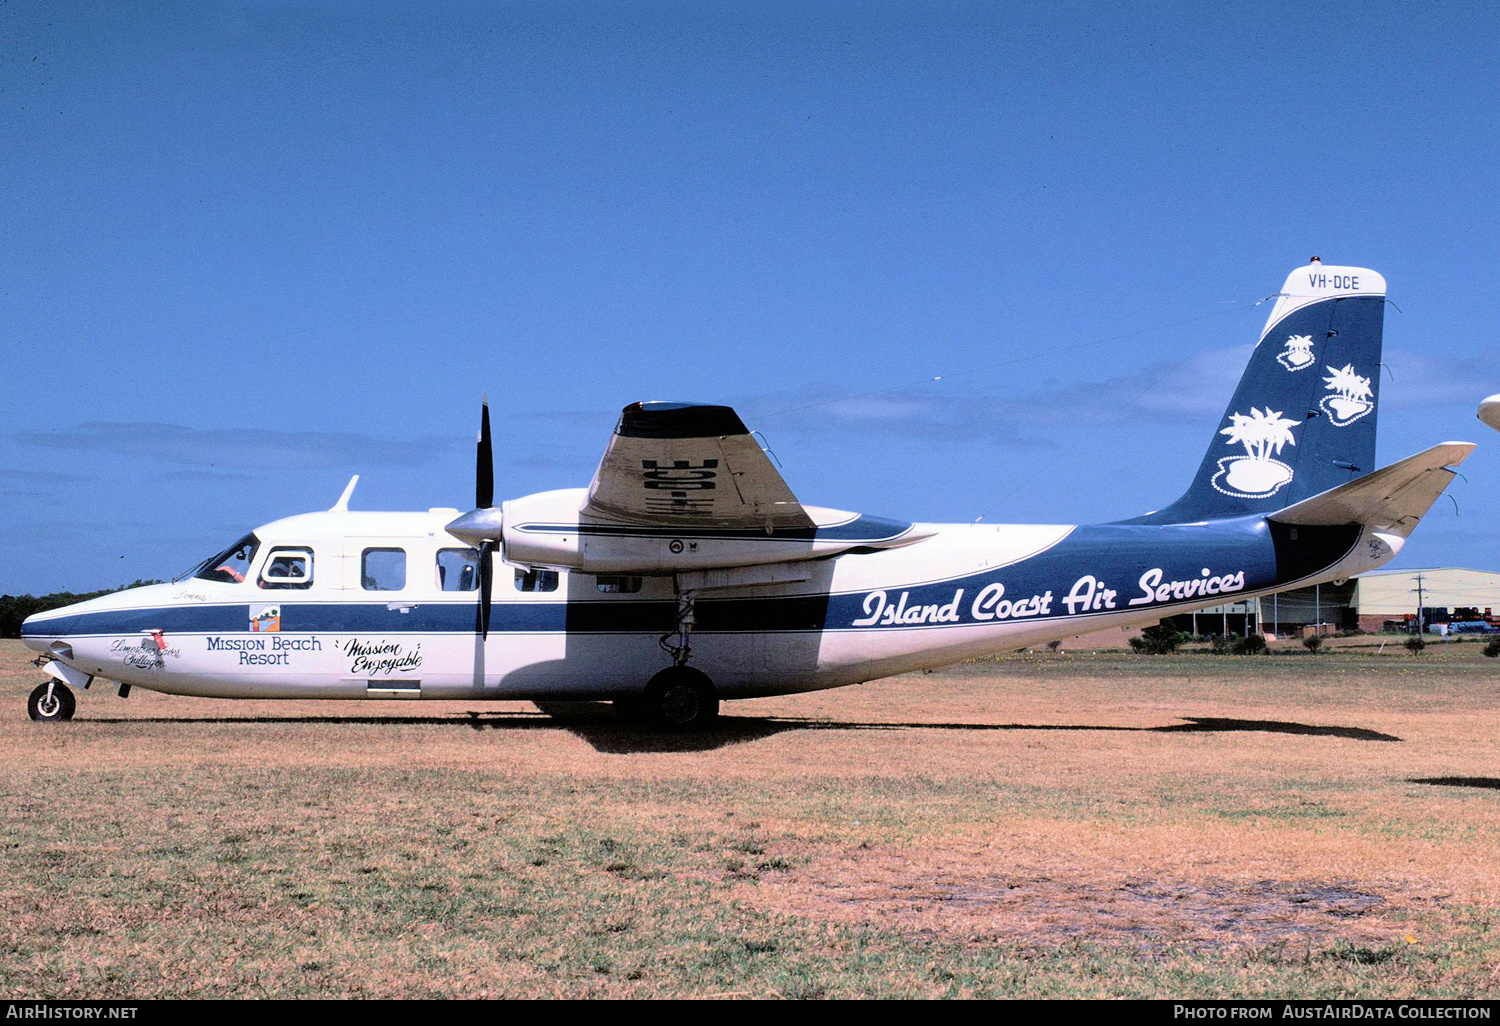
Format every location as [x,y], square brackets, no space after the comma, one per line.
[51,701]
[677,641]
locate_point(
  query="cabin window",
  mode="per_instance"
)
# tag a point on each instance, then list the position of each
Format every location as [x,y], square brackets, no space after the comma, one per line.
[618,585]
[382,569]
[536,580]
[287,568]
[457,569]
[231,565]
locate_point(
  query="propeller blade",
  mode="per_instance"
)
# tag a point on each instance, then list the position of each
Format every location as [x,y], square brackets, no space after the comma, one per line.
[484,464]
[486,575]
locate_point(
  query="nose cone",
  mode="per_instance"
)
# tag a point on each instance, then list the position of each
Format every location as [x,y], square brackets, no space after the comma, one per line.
[477,525]
[40,629]
[101,615]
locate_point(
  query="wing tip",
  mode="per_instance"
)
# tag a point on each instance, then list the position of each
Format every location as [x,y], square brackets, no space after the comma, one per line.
[661,419]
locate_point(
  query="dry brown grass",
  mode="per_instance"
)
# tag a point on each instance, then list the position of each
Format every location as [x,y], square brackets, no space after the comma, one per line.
[1074,824]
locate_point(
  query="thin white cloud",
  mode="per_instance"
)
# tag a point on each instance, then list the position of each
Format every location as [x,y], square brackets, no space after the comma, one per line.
[241,449]
[1416,380]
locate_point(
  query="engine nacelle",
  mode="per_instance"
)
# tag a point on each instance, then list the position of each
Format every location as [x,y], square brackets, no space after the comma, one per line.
[546,529]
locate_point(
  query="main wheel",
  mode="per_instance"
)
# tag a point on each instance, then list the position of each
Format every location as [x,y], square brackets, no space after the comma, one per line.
[51,701]
[682,698]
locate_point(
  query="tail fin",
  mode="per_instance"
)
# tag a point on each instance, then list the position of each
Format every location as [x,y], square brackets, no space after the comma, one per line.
[1303,418]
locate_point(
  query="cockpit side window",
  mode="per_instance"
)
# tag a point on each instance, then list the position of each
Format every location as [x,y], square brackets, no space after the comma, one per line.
[458,569]
[287,568]
[231,565]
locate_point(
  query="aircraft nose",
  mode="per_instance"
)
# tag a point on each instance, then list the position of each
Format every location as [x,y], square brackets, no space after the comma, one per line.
[44,631]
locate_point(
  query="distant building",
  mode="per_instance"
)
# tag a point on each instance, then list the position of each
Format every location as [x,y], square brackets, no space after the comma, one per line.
[1370,602]
[1448,593]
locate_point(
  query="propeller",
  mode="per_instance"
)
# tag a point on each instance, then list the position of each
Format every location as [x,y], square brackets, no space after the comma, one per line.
[484,498]
[481,526]
[484,461]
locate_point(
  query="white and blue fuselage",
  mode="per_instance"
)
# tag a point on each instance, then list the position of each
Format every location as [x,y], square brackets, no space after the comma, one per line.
[962,591]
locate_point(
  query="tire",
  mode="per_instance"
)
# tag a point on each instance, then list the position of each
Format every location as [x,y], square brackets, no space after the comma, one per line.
[59,706]
[681,699]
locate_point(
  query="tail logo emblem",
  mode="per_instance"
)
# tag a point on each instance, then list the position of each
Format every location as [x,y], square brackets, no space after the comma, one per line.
[1298,353]
[1351,398]
[1255,475]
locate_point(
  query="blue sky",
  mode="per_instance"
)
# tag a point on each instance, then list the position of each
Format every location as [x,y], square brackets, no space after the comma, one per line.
[251,249]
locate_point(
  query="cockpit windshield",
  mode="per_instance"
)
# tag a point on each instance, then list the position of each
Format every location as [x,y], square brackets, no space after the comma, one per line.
[229,566]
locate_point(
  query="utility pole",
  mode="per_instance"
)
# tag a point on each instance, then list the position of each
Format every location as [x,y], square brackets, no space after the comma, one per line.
[1318,609]
[1418,590]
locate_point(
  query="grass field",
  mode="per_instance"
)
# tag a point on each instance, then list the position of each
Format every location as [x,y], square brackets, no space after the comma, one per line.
[1056,824]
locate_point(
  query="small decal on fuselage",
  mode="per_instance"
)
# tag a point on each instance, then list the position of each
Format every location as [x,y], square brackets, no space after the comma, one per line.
[149,652]
[374,658]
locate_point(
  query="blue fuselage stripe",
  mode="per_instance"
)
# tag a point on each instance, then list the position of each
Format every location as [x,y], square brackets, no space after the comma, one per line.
[1103,568]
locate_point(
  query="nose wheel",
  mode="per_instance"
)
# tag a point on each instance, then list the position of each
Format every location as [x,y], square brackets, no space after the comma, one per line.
[51,701]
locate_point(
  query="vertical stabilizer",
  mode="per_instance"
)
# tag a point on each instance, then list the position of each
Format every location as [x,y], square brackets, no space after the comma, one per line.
[1303,417]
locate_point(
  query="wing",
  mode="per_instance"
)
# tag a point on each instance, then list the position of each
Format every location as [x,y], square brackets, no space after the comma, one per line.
[689,464]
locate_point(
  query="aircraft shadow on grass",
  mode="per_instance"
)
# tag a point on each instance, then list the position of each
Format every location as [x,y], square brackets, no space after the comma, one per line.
[1483,783]
[597,724]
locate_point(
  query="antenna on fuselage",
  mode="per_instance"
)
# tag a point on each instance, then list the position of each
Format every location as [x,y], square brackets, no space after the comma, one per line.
[342,506]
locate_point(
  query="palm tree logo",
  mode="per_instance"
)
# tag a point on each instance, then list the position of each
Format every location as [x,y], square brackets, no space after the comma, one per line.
[1298,353]
[1352,397]
[1255,475]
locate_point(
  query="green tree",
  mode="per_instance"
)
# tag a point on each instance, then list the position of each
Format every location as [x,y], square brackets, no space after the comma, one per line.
[1158,639]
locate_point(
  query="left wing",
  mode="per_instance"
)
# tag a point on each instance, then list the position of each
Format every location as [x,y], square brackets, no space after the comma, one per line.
[689,464]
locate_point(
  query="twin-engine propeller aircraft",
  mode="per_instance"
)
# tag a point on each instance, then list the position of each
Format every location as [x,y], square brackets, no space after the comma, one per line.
[687,572]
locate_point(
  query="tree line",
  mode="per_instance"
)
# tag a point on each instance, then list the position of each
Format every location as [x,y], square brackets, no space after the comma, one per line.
[16,608]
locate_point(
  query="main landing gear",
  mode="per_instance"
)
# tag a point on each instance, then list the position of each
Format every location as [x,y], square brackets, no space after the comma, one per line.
[678,698]
[51,701]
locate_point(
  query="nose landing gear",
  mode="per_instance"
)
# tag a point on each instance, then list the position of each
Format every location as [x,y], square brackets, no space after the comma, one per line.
[51,701]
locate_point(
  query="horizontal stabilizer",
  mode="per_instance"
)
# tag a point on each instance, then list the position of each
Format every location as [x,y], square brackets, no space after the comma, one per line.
[1392,499]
